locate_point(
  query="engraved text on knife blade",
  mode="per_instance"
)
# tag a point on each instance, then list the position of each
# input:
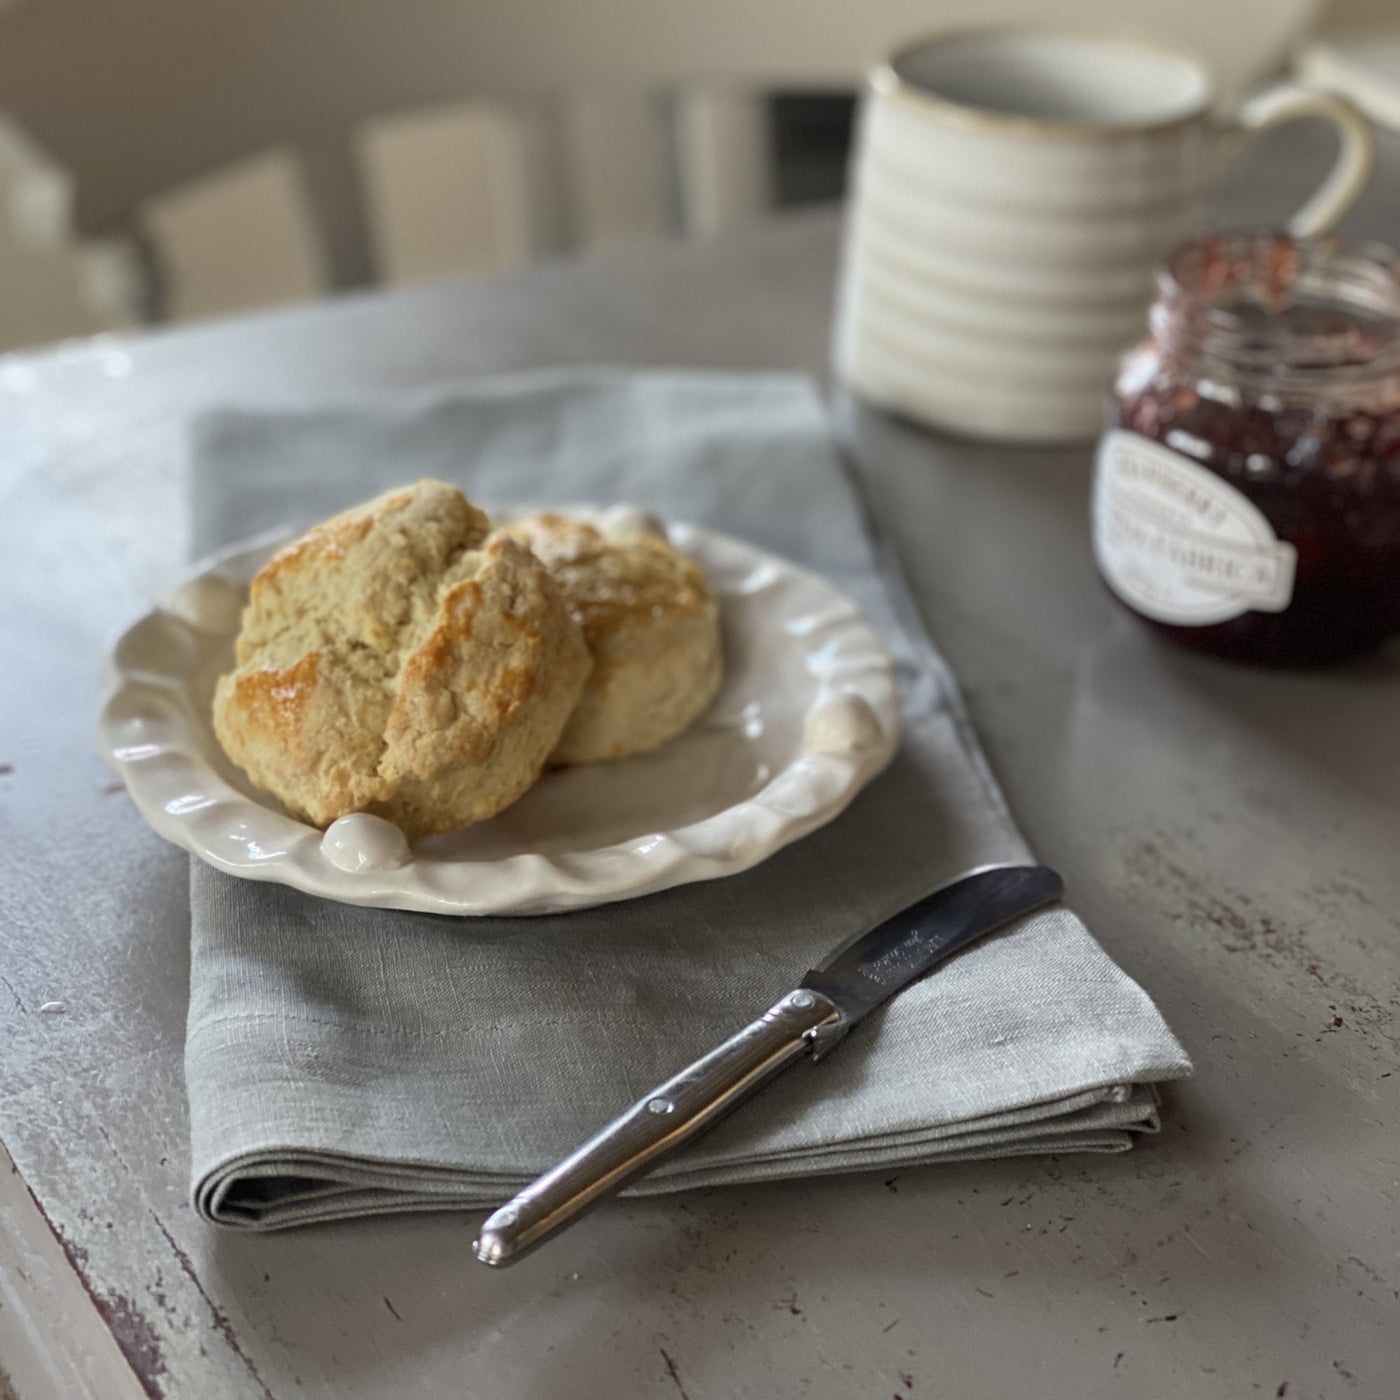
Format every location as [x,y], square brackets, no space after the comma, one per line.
[908,950]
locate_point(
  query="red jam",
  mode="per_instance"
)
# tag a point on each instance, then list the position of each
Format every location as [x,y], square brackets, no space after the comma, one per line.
[1274,367]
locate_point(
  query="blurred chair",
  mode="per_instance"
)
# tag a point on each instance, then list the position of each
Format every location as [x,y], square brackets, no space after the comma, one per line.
[487,185]
[724,171]
[455,190]
[238,237]
[616,157]
[272,150]
[53,284]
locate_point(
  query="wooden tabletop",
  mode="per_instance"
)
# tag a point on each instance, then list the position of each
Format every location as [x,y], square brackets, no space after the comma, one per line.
[1230,836]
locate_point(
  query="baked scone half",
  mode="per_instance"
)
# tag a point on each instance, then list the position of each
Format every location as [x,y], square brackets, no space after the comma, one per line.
[652,626]
[401,659]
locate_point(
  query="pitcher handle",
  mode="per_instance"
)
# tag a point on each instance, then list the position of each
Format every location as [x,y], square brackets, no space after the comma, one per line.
[1356,157]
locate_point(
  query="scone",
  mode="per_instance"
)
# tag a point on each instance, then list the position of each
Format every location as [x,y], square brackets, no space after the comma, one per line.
[651,625]
[400,659]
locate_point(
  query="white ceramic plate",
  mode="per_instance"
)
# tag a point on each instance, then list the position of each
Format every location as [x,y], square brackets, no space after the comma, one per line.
[808,714]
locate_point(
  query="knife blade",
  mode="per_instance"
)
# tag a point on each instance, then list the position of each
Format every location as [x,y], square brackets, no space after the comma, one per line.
[858,976]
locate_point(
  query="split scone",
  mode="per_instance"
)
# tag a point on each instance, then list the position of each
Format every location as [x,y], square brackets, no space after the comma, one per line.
[651,624]
[402,660]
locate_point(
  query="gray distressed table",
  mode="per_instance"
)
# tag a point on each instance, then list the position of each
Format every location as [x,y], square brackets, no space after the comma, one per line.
[1231,837]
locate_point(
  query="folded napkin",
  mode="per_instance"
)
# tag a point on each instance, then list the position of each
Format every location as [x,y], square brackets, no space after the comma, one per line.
[342,1061]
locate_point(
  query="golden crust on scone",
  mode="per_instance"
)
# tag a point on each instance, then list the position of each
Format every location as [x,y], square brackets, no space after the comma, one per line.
[651,624]
[400,660]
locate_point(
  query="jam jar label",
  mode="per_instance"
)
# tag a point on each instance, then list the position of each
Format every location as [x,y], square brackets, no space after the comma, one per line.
[1180,544]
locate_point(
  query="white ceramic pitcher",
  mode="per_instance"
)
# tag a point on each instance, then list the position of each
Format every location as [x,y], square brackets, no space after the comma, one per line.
[1013,192]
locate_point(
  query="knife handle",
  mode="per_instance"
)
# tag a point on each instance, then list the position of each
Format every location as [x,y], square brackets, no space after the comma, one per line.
[668,1117]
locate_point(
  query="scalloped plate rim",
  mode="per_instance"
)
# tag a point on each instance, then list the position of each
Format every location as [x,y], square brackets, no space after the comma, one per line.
[527,883]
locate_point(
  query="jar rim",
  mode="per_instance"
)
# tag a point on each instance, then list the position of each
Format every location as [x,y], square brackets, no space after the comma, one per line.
[1223,297]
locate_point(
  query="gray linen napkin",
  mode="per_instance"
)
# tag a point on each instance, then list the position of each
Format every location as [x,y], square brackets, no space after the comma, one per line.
[342,1061]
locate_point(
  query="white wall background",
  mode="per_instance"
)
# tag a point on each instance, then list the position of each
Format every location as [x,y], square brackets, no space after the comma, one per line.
[137,95]
[301,139]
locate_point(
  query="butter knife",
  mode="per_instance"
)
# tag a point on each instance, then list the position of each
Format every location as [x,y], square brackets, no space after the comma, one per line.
[860,975]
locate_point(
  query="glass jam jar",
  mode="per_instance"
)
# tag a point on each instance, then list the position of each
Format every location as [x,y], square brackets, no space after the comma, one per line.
[1247,486]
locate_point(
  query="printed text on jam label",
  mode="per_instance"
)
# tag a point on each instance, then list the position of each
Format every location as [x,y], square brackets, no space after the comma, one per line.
[1180,544]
